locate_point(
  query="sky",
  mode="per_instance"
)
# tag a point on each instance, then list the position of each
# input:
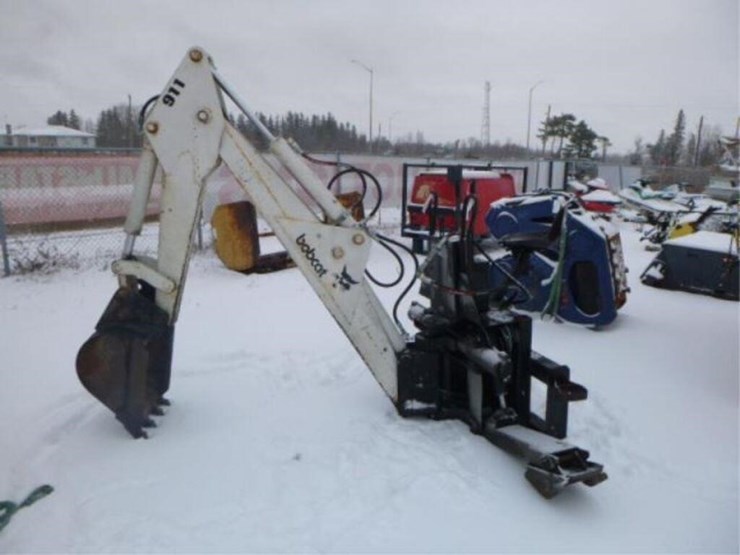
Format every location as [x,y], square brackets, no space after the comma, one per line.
[626,67]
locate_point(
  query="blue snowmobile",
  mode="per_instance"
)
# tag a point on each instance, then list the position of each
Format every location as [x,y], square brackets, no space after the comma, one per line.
[561,260]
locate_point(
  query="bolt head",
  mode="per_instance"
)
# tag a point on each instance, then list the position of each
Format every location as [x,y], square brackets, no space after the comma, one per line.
[204,116]
[152,127]
[358,238]
[337,252]
[196,55]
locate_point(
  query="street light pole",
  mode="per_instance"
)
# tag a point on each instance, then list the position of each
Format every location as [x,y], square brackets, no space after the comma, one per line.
[390,123]
[529,111]
[370,127]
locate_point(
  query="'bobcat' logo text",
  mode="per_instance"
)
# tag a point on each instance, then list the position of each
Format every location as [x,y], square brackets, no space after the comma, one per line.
[310,254]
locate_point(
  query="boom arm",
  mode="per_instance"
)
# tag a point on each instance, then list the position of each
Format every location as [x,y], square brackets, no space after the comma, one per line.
[189,136]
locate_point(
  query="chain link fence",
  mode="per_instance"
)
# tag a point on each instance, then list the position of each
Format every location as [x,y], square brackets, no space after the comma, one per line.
[67,208]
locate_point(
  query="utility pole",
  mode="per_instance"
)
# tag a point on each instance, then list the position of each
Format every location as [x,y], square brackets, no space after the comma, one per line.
[698,142]
[529,112]
[544,137]
[485,133]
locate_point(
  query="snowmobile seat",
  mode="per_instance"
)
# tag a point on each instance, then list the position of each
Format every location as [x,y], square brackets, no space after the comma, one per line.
[536,240]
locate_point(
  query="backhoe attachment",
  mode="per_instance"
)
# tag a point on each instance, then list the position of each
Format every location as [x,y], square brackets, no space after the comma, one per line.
[470,360]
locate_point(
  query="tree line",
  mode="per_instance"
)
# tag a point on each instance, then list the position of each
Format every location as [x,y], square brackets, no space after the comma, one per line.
[116,127]
[561,136]
[677,148]
[119,127]
[314,133]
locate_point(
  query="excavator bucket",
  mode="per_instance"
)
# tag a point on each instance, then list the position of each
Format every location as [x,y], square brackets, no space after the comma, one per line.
[126,363]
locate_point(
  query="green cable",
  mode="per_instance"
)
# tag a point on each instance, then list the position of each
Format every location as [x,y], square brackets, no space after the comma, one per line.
[8,508]
[553,302]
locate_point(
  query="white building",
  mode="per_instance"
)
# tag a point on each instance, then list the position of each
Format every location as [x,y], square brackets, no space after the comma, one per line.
[49,136]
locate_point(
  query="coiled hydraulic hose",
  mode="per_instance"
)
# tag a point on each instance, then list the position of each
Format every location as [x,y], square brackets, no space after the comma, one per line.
[383,240]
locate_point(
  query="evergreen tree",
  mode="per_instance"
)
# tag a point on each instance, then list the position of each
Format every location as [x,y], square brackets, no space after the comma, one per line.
[657,150]
[582,140]
[544,133]
[690,152]
[116,128]
[567,138]
[674,142]
[635,157]
[313,133]
[73,120]
[562,128]
[59,118]
[557,129]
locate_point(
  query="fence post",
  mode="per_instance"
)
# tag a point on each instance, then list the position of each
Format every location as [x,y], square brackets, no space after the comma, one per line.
[3,241]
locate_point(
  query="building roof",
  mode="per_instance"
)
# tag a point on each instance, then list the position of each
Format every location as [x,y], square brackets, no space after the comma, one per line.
[50,131]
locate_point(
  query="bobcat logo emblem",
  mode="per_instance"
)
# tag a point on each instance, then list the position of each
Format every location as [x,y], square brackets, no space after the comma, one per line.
[344,280]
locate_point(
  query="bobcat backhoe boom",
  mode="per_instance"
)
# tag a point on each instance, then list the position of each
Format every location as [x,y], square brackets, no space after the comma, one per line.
[450,369]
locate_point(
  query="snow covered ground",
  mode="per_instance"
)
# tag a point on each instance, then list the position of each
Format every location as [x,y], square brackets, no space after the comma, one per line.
[279,439]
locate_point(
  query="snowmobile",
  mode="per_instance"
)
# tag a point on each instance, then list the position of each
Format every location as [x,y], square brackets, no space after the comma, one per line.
[729,162]
[671,225]
[641,195]
[673,211]
[704,262]
[468,360]
[570,263]
[595,195]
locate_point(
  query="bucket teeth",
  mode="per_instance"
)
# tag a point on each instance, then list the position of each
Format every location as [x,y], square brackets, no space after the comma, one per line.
[148,423]
[126,362]
[132,426]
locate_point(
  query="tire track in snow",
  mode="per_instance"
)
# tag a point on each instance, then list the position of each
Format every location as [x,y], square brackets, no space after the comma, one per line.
[288,369]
